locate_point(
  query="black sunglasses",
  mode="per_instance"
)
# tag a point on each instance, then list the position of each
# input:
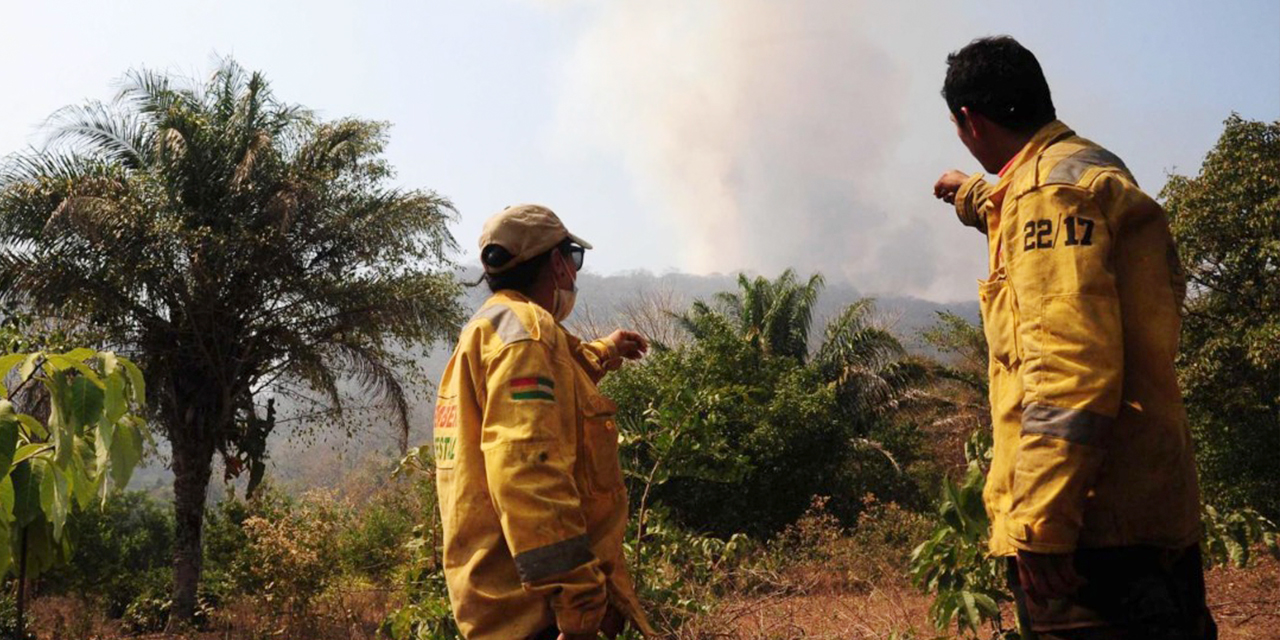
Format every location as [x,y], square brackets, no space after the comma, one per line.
[576,253]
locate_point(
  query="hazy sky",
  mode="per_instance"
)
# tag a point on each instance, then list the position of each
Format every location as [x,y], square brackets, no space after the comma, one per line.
[685,134]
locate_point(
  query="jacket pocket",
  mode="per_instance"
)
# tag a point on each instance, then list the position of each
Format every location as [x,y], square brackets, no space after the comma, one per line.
[999,319]
[600,443]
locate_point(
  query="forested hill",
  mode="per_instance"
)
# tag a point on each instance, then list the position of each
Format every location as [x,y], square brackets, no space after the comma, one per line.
[325,456]
[605,297]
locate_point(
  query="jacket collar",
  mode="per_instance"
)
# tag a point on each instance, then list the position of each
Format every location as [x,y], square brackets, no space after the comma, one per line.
[511,295]
[1047,135]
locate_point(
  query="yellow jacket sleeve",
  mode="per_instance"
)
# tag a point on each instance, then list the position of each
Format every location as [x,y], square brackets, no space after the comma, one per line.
[530,447]
[597,357]
[1073,359]
[973,201]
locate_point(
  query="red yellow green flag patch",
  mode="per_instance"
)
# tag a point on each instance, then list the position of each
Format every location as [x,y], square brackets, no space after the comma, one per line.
[533,388]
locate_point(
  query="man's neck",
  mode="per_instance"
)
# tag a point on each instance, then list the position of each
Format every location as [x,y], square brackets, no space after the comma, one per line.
[1006,147]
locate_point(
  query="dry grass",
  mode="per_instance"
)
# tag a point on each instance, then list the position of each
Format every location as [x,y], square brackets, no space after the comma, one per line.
[1246,602]
[342,614]
[818,602]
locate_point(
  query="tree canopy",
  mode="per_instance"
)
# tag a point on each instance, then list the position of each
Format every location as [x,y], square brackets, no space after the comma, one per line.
[238,247]
[1227,224]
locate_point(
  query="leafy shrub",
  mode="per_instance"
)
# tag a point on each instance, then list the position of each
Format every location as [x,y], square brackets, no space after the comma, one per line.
[677,573]
[121,551]
[1230,536]
[148,612]
[225,539]
[952,563]
[428,615]
[374,545]
[291,559]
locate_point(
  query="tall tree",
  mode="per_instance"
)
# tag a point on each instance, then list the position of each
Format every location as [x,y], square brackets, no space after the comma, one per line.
[775,315]
[1227,224]
[238,247]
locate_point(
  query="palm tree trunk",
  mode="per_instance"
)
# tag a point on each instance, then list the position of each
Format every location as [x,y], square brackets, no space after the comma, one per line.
[192,465]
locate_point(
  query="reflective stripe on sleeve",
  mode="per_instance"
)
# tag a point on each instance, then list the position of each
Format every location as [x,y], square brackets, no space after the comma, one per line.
[544,562]
[1073,425]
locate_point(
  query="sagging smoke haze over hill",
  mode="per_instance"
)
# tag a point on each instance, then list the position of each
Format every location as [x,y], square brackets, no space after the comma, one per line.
[770,135]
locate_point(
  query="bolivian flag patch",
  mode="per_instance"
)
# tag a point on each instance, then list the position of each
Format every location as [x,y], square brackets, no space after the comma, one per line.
[533,388]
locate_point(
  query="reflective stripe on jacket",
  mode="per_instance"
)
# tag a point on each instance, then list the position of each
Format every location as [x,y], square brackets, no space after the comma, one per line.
[531,492]
[1081,314]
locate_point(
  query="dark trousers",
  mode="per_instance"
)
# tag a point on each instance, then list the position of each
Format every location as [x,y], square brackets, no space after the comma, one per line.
[550,633]
[1129,593]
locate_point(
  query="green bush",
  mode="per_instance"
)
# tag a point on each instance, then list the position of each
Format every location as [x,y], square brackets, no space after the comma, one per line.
[373,546]
[121,551]
[428,615]
[968,585]
[744,448]
[679,574]
[225,540]
[1230,536]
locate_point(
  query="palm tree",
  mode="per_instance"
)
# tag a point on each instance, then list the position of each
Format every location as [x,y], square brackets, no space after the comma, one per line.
[239,248]
[775,315]
[865,363]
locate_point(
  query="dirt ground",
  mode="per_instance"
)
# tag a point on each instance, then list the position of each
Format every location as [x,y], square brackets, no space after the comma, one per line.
[1245,602]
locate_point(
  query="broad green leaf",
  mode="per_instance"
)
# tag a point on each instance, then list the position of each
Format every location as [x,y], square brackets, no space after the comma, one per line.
[75,405]
[81,476]
[26,494]
[28,450]
[7,363]
[971,608]
[126,451]
[104,435]
[9,427]
[35,430]
[29,365]
[115,404]
[42,549]
[86,402]
[55,496]
[63,363]
[137,386]
[6,503]
[6,549]
[81,354]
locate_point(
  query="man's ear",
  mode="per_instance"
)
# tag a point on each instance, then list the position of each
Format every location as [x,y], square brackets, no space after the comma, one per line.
[974,123]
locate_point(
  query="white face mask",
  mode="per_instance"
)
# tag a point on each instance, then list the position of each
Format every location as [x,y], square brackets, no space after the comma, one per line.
[564,301]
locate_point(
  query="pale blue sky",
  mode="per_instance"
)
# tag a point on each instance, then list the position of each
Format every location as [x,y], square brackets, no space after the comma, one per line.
[685,134]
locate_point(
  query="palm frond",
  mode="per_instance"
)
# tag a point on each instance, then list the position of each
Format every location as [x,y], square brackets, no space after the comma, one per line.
[101,130]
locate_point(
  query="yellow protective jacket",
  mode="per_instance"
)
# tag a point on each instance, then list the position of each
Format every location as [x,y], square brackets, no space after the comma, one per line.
[531,493]
[1081,313]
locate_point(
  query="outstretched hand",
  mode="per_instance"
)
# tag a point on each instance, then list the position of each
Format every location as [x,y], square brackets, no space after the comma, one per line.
[948,185]
[630,344]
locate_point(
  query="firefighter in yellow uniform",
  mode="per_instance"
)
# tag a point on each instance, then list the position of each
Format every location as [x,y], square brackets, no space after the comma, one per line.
[526,450]
[1092,490]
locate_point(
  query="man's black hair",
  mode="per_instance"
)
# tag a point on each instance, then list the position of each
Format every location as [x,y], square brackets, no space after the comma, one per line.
[1002,80]
[520,277]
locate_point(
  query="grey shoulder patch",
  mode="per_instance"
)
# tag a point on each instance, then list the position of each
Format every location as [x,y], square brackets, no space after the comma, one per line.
[505,322]
[1071,168]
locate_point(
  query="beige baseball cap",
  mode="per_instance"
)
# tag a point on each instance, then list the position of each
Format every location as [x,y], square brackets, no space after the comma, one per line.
[525,231]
